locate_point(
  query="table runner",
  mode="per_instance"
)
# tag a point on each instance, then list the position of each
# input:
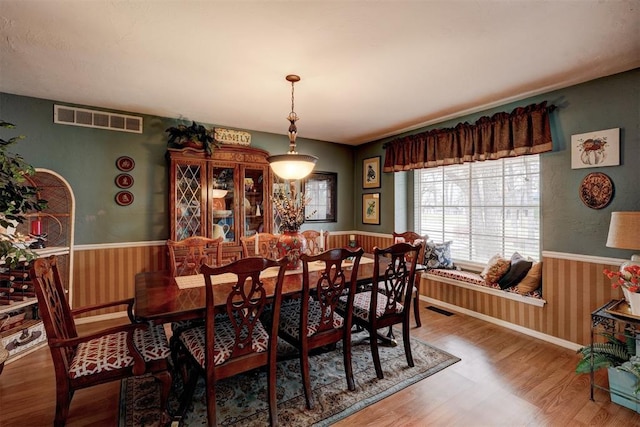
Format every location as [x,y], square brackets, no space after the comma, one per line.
[196,280]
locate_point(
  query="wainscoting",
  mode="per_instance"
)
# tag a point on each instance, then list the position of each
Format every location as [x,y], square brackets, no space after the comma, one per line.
[573,286]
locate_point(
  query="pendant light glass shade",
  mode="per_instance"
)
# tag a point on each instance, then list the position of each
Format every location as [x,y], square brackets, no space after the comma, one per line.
[292,165]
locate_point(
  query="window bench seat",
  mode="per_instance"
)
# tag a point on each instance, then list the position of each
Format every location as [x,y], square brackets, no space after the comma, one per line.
[474,282]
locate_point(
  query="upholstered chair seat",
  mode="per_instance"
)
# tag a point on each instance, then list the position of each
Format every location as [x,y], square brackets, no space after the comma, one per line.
[362,304]
[290,314]
[109,352]
[194,341]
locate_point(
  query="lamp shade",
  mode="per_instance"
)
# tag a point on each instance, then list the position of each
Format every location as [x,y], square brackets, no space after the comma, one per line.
[624,230]
[292,166]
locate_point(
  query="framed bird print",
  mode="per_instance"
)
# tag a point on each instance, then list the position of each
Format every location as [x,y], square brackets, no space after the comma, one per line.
[371,172]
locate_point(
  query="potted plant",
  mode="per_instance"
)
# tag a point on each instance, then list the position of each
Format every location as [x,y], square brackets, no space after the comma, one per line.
[618,355]
[17,198]
[193,136]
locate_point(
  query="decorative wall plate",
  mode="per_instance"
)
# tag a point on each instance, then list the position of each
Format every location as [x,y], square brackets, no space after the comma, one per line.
[125,163]
[124,198]
[596,190]
[124,180]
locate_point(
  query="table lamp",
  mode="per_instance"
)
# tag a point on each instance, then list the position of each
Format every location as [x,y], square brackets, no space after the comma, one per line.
[624,233]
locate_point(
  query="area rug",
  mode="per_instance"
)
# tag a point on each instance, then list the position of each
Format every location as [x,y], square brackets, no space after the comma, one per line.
[242,400]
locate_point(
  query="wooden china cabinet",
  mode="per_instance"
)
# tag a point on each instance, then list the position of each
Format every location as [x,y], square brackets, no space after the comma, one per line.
[225,194]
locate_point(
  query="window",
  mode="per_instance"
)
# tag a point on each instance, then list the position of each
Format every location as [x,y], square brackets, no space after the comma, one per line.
[320,188]
[483,207]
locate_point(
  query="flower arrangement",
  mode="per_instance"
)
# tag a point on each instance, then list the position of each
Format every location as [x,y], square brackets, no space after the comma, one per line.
[289,208]
[627,278]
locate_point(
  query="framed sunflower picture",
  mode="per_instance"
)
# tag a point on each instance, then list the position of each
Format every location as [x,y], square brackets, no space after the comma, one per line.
[371,208]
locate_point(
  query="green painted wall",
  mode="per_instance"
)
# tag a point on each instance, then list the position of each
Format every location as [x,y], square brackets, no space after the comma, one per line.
[86,158]
[567,224]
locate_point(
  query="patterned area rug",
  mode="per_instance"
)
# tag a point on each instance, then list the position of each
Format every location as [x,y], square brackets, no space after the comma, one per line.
[242,399]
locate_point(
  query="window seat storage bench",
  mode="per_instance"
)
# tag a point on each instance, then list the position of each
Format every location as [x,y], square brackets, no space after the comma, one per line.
[464,288]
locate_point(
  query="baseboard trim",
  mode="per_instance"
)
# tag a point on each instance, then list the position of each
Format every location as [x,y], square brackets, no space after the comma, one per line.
[530,332]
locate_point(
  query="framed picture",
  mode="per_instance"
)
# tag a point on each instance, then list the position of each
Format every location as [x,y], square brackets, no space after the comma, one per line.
[321,189]
[371,208]
[371,172]
[595,149]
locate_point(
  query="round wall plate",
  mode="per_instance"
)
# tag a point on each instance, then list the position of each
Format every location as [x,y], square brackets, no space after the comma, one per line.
[124,198]
[125,163]
[124,180]
[596,190]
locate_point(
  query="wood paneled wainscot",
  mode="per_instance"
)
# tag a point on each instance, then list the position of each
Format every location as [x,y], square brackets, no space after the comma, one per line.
[573,286]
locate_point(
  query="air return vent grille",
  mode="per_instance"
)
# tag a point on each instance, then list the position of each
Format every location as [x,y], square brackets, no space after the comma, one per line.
[64,115]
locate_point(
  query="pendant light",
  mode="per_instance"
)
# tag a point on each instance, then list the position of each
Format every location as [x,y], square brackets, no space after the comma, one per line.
[292,165]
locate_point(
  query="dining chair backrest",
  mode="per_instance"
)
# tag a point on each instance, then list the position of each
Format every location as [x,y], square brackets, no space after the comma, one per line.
[411,237]
[315,242]
[329,286]
[266,245]
[396,281]
[187,255]
[246,300]
[54,309]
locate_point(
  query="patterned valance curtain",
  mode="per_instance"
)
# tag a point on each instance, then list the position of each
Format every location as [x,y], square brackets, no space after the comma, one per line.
[523,131]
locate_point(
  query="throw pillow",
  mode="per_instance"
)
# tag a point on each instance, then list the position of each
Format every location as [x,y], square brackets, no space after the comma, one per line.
[491,262]
[497,270]
[438,255]
[531,281]
[518,269]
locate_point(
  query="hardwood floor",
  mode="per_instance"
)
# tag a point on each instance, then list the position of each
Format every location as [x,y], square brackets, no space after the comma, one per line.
[504,378]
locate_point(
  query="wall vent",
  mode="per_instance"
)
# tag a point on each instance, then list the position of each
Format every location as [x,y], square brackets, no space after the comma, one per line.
[64,115]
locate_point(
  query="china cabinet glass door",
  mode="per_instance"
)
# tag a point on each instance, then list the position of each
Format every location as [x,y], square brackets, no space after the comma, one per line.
[254,187]
[222,194]
[189,203]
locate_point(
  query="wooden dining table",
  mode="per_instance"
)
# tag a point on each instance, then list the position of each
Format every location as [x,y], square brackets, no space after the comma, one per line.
[161,298]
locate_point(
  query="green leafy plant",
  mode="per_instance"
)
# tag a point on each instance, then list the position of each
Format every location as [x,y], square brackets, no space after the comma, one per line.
[17,198]
[614,352]
[194,136]
[632,366]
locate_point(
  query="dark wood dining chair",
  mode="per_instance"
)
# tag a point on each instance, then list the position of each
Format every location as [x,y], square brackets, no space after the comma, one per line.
[314,247]
[388,301]
[187,255]
[108,355]
[235,340]
[266,245]
[412,237]
[311,321]
[185,259]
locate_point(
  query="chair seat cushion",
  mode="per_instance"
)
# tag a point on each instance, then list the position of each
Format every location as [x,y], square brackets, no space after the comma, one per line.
[194,341]
[109,352]
[361,304]
[290,318]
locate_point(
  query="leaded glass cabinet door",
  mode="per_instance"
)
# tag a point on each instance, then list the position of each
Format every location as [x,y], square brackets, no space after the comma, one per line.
[188,204]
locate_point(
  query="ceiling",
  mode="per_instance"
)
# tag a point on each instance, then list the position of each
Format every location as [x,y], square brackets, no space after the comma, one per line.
[369,69]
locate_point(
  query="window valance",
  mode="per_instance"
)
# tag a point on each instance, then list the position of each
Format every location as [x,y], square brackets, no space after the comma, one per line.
[523,131]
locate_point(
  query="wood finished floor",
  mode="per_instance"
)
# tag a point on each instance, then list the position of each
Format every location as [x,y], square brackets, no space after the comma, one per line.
[504,379]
